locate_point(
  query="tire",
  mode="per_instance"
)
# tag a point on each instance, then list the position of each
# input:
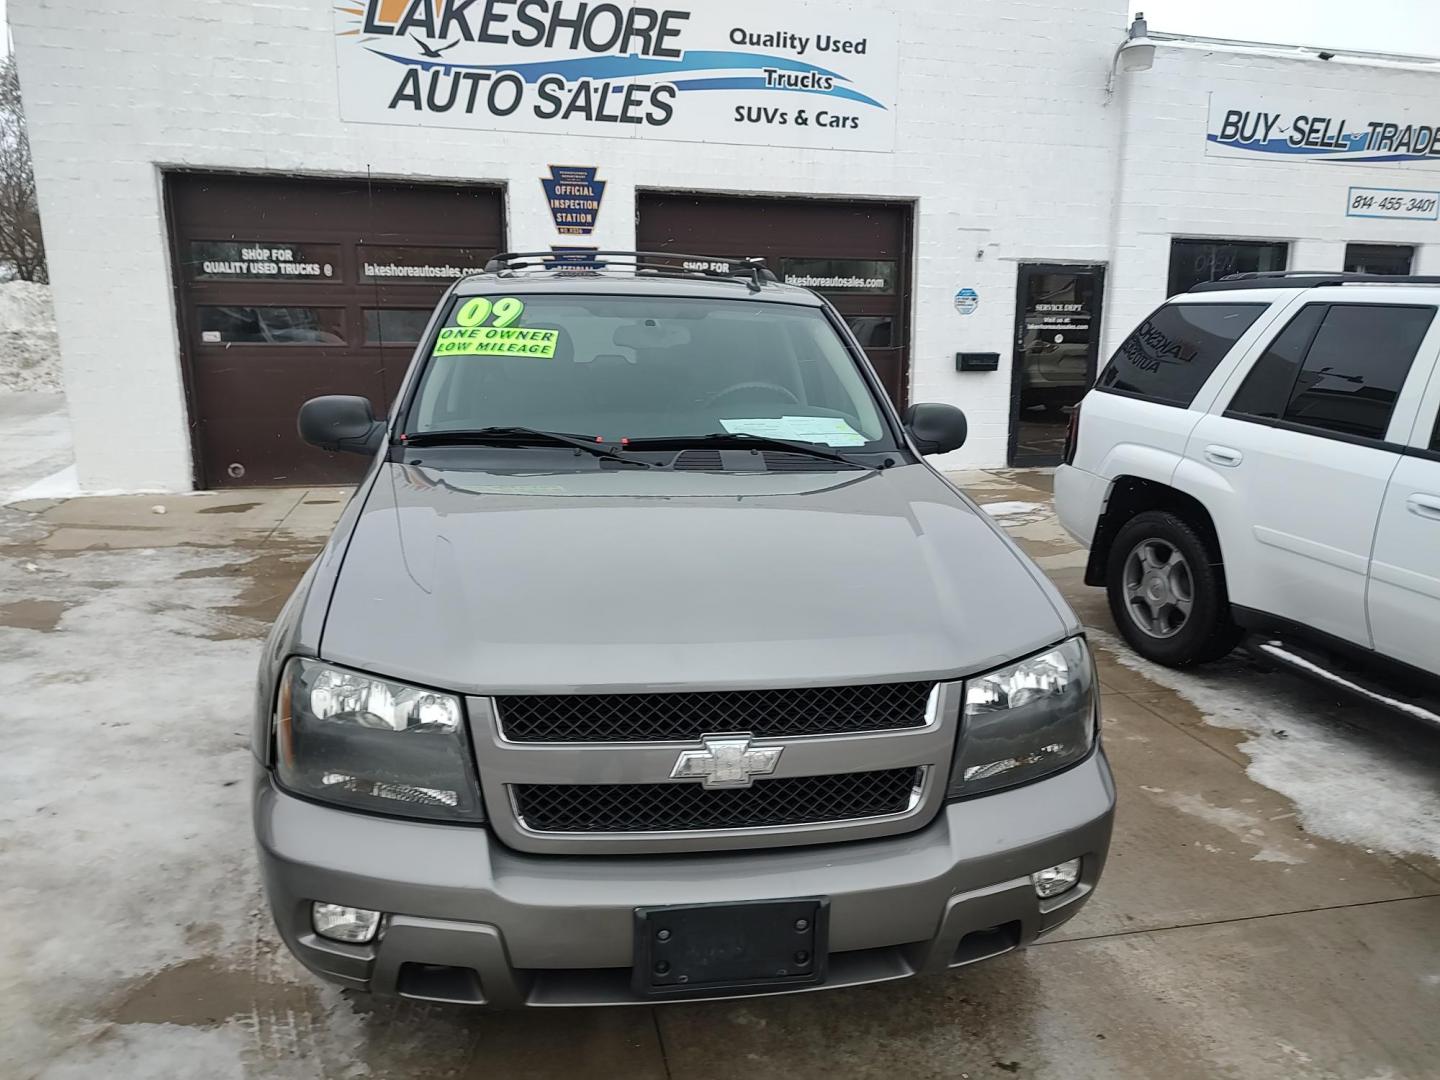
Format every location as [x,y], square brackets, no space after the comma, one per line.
[1167,591]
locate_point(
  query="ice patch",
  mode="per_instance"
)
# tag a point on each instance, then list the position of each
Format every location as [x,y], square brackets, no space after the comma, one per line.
[1009,513]
[1346,786]
[1243,826]
[156,1052]
[125,841]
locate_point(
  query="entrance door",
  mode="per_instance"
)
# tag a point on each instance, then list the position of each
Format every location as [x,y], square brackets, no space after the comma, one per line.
[290,288]
[857,255]
[1057,343]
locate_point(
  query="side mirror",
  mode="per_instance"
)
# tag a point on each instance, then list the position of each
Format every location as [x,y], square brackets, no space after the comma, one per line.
[341,423]
[936,429]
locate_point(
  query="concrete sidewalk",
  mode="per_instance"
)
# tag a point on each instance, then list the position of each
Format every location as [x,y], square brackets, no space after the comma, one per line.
[1269,910]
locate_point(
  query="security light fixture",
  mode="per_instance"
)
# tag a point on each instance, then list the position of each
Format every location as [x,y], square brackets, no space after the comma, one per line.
[1135,53]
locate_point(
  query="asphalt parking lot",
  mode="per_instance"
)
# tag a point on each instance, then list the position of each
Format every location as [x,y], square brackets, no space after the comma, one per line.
[1271,906]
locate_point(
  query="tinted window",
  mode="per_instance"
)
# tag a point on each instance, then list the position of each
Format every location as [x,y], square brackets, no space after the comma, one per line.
[1266,390]
[1356,366]
[1435,435]
[1172,353]
[1194,261]
[1378,258]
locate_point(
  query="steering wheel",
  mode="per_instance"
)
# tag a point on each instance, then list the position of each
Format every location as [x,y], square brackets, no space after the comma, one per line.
[739,386]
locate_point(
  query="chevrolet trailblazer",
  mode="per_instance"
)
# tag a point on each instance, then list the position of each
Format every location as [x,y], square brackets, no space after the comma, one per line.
[651,660]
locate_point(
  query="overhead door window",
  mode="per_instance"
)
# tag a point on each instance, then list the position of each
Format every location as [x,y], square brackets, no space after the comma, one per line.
[1171,354]
[1356,358]
[1194,261]
[1379,258]
[395,326]
[232,324]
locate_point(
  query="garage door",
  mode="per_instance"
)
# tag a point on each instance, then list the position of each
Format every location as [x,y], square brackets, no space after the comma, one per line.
[291,288]
[856,254]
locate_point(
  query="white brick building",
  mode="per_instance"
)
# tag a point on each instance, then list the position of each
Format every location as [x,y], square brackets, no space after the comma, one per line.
[230,229]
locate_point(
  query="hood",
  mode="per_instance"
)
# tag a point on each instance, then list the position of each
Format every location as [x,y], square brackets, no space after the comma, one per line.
[631,580]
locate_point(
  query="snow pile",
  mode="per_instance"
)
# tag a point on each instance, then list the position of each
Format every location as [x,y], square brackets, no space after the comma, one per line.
[29,351]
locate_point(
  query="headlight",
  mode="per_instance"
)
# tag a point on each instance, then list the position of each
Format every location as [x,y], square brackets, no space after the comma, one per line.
[372,744]
[1025,721]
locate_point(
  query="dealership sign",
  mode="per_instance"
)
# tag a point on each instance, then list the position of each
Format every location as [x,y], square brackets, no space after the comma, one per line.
[761,72]
[1320,130]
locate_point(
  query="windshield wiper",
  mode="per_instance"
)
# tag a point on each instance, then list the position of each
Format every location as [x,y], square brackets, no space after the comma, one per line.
[518,436]
[742,441]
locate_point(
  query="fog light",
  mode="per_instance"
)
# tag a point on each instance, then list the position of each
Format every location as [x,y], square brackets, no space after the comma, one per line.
[349,924]
[1054,880]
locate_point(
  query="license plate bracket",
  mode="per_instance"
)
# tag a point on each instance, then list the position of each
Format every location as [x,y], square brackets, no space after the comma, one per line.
[758,945]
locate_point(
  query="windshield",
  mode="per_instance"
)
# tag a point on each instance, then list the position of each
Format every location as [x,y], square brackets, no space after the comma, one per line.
[636,367]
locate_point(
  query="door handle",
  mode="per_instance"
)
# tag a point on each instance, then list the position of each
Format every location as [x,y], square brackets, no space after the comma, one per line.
[1223,455]
[1422,505]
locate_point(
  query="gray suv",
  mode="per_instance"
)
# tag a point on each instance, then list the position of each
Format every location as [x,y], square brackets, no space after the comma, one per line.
[651,661]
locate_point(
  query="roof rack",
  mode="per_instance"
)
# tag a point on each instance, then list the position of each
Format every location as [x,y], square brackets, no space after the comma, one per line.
[752,271]
[1308,279]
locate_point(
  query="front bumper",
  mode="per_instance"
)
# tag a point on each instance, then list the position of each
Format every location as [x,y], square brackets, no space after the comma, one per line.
[472,921]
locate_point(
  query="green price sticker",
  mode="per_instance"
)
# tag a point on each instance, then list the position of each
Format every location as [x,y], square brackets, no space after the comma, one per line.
[471,337]
[496,341]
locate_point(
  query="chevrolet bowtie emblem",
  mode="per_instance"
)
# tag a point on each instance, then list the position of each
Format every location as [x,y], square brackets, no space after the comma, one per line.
[728,761]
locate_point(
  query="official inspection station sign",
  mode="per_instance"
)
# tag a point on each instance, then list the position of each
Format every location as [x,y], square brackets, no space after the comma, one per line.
[759,72]
[574,196]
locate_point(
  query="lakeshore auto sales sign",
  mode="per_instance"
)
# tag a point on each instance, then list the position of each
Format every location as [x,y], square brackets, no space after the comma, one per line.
[1322,128]
[760,72]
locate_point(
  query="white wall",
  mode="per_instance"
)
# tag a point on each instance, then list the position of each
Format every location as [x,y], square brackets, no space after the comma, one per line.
[1169,186]
[1002,142]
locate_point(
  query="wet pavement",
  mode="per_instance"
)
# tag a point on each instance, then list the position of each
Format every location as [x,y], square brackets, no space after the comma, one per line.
[1271,907]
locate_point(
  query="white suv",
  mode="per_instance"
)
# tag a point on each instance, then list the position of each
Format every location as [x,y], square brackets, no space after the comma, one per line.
[1263,454]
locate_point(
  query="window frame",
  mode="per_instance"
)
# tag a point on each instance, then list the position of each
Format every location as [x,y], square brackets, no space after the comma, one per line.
[1359,244]
[1262,349]
[1265,307]
[1287,244]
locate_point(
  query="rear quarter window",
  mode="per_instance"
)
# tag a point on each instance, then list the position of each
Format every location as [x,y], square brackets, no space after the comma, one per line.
[1171,354]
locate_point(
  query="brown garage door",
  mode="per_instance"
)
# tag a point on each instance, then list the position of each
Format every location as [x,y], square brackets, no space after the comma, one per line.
[290,288]
[856,254]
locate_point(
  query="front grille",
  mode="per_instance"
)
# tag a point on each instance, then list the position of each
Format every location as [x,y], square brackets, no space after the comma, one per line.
[770,714]
[592,808]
